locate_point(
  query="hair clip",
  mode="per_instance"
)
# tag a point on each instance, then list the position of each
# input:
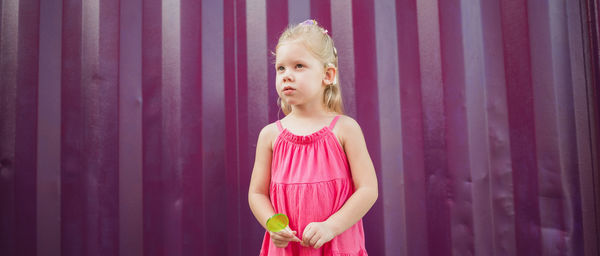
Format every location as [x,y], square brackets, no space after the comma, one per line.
[309,22]
[313,22]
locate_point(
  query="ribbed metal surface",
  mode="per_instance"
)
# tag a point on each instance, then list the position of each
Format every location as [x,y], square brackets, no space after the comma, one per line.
[129,127]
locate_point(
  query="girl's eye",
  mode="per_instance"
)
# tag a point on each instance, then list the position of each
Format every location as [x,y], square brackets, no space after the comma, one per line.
[299,66]
[280,68]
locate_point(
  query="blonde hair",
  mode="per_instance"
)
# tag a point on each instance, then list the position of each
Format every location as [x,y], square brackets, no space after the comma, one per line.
[316,40]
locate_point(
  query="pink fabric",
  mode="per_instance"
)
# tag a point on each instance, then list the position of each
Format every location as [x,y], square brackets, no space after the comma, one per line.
[311,180]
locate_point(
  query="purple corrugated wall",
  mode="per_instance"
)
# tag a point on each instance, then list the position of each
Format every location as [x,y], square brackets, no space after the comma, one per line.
[129,127]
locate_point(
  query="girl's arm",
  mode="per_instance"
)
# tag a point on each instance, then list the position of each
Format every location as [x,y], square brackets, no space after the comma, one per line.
[258,194]
[363,176]
[365,184]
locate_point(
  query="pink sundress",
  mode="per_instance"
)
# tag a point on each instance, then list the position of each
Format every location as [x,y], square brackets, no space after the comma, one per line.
[310,181]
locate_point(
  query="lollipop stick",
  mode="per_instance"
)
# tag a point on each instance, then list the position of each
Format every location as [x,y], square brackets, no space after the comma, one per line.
[288,229]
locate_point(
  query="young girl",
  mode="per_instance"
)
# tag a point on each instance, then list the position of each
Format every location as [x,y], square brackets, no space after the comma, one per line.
[312,165]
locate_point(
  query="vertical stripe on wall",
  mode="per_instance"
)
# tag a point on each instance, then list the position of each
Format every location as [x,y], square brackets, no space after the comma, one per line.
[258,95]
[234,198]
[105,163]
[213,126]
[89,117]
[549,159]
[72,190]
[409,73]
[321,11]
[299,11]
[25,164]
[130,129]
[580,196]
[478,142]
[588,142]
[459,170]
[193,217]
[594,95]
[568,174]
[9,67]
[257,50]
[90,22]
[437,179]
[519,92]
[388,94]
[363,27]
[343,36]
[277,20]
[90,103]
[476,127]
[154,226]
[501,176]
[49,135]
[171,112]
[245,145]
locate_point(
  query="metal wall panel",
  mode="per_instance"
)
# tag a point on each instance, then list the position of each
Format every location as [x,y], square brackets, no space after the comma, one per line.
[129,127]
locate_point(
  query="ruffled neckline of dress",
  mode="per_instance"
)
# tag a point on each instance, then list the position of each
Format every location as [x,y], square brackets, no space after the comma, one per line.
[304,139]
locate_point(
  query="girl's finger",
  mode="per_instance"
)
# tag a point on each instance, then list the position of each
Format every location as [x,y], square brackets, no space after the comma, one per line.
[280,243]
[307,234]
[282,234]
[284,237]
[296,239]
[314,240]
[308,240]
[288,234]
[279,237]
[319,243]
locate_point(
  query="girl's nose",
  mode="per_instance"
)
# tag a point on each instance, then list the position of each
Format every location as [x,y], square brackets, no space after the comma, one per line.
[287,76]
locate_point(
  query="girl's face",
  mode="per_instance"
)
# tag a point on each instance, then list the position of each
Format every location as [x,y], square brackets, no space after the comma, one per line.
[300,76]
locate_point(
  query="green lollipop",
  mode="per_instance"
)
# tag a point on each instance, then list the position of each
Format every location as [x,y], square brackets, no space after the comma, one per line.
[278,222]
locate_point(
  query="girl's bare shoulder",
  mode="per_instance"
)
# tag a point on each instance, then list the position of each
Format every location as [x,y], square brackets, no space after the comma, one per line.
[346,128]
[347,124]
[268,134]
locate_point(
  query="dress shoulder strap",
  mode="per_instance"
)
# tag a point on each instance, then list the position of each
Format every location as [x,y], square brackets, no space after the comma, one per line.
[335,119]
[279,126]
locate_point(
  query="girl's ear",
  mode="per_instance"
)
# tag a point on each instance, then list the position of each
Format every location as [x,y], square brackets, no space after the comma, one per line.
[330,72]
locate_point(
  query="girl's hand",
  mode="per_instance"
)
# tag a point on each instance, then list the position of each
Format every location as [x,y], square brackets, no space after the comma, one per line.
[282,238]
[316,234]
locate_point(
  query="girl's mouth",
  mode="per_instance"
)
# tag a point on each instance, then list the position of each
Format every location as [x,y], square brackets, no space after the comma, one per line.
[287,90]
